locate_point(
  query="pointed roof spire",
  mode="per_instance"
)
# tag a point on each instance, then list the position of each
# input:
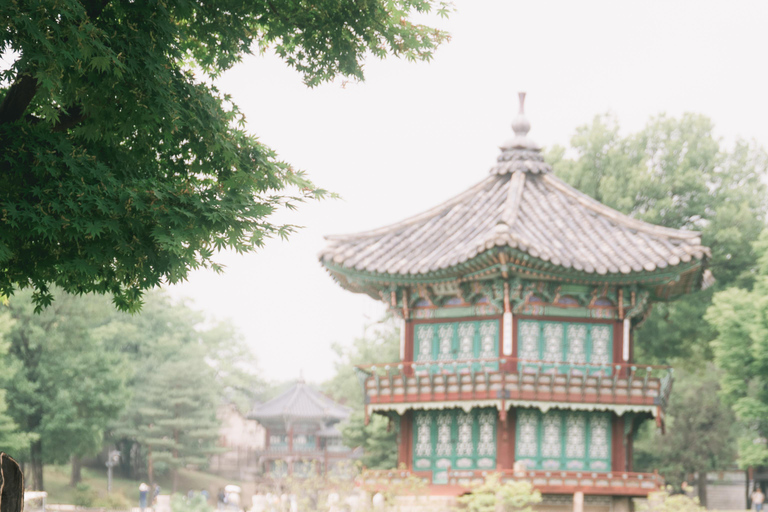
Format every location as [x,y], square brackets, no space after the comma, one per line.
[520,125]
[520,153]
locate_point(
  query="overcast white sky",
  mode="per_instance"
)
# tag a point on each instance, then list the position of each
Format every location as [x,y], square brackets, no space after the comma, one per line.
[413,135]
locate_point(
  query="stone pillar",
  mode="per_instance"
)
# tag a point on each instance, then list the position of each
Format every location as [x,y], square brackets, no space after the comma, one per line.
[578,501]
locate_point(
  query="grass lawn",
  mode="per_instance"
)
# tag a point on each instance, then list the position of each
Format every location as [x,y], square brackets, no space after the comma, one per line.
[59,491]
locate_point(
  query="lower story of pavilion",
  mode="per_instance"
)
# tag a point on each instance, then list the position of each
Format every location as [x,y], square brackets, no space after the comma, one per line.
[559,450]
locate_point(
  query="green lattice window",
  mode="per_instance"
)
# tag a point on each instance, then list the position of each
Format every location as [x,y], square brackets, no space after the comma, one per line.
[563,440]
[454,438]
[574,343]
[278,441]
[456,341]
[304,442]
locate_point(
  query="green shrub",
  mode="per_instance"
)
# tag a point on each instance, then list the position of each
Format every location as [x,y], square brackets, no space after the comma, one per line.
[180,503]
[493,495]
[114,501]
[84,495]
[663,501]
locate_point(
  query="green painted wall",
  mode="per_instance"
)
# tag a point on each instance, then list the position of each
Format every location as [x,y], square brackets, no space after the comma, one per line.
[454,438]
[563,440]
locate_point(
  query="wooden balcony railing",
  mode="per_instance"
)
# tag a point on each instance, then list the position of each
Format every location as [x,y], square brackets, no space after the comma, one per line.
[548,482]
[517,379]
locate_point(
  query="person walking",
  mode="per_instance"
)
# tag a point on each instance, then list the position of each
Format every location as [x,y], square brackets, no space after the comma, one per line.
[758,498]
[143,493]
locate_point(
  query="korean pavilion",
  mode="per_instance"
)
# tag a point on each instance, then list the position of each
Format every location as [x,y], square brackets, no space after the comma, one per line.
[302,437]
[519,298]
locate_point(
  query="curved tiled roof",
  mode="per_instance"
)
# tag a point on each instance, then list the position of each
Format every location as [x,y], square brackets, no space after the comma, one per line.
[300,402]
[522,206]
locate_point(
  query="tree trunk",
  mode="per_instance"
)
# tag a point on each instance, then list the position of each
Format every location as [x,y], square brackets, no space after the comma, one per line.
[77,465]
[150,469]
[702,486]
[36,461]
[176,457]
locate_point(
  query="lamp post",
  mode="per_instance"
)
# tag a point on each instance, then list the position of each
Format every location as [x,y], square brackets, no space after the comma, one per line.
[112,459]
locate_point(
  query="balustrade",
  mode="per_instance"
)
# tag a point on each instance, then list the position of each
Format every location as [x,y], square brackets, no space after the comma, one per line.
[548,482]
[517,379]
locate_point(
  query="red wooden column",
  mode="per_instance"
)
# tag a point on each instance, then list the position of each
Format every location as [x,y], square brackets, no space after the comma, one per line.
[505,442]
[408,349]
[405,440]
[618,446]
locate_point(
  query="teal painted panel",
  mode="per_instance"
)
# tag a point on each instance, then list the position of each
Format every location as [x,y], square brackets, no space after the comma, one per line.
[574,343]
[563,440]
[453,342]
[454,439]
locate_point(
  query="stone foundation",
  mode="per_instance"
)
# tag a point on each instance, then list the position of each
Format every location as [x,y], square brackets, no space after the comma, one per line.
[550,503]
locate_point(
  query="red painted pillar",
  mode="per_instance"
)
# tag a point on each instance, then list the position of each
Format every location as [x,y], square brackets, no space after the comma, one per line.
[505,442]
[618,447]
[408,349]
[405,441]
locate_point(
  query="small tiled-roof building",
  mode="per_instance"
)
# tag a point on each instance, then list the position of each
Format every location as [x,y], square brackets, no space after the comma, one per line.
[301,432]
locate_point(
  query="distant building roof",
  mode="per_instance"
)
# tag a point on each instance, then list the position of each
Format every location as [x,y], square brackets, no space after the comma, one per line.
[300,402]
[546,227]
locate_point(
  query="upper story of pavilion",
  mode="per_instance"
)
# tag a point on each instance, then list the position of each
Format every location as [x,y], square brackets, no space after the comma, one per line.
[520,292]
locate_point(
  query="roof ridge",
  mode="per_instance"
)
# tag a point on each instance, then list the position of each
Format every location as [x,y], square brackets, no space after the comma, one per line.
[514,195]
[293,397]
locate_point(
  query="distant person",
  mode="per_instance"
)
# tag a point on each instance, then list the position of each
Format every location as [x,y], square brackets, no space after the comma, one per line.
[155,494]
[221,500]
[143,493]
[204,494]
[758,498]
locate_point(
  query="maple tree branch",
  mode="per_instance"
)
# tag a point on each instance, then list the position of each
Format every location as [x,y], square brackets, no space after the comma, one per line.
[18,98]
[23,90]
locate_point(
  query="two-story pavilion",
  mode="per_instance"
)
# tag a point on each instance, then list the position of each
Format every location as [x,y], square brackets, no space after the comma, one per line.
[519,298]
[301,433]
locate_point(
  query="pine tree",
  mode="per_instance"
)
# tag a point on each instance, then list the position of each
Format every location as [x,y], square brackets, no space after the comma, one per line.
[173,414]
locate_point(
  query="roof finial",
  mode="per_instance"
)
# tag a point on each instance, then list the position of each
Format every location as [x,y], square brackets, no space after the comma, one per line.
[520,124]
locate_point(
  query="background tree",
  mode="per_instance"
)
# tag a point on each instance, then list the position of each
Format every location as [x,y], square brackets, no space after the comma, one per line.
[167,336]
[69,385]
[121,166]
[173,414]
[12,440]
[700,434]
[740,317]
[380,343]
[676,173]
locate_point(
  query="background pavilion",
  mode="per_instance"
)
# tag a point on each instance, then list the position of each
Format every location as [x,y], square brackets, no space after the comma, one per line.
[302,437]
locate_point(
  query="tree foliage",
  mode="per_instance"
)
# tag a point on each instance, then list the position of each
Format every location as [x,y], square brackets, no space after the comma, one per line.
[740,317]
[69,384]
[379,344]
[122,166]
[676,173]
[173,414]
[184,367]
[12,439]
[700,432]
